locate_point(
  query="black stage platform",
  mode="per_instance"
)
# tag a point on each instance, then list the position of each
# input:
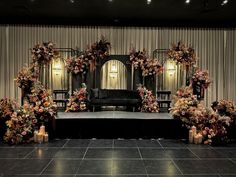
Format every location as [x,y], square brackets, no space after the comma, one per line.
[118,124]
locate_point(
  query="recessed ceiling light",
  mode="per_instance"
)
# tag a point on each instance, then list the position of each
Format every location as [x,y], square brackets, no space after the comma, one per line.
[149,1]
[72,1]
[110,0]
[224,2]
[187,1]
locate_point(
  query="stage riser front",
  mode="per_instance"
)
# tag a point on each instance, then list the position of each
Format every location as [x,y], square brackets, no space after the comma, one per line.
[120,128]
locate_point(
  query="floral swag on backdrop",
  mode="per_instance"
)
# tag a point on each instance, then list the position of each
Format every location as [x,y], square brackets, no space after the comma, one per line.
[139,59]
[89,58]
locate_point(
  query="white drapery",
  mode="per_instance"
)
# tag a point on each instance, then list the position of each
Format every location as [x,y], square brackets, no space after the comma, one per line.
[215,49]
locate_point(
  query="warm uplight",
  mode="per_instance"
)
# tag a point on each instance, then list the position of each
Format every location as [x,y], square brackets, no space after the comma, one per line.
[113,71]
[171,68]
[57,67]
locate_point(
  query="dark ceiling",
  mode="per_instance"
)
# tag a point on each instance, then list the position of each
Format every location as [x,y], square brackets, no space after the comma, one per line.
[198,13]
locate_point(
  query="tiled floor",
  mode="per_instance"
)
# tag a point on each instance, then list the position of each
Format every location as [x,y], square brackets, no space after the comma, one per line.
[117,158]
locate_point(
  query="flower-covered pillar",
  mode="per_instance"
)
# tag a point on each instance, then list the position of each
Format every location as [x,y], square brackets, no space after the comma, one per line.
[200,81]
[137,77]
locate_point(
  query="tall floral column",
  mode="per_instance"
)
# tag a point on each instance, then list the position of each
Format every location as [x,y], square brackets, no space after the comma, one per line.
[200,81]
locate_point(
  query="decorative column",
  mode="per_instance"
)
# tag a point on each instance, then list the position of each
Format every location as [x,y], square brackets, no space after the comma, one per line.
[76,81]
[149,83]
[138,78]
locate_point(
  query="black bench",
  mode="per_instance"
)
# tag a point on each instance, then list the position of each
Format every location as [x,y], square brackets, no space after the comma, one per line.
[114,97]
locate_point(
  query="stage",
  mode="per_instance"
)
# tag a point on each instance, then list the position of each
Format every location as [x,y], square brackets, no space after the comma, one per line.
[117,124]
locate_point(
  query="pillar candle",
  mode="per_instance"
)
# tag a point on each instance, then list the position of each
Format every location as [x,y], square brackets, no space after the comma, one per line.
[190,136]
[194,129]
[42,130]
[35,136]
[40,137]
[195,139]
[46,137]
[199,138]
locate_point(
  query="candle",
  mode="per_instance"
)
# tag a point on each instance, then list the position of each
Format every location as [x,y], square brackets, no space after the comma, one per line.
[195,139]
[40,137]
[42,130]
[35,136]
[194,129]
[199,138]
[46,137]
[190,136]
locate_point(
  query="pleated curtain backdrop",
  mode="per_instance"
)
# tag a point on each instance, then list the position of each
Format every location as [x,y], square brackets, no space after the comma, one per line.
[215,49]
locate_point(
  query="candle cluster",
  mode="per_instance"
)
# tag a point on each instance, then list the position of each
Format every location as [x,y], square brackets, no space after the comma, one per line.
[40,135]
[195,137]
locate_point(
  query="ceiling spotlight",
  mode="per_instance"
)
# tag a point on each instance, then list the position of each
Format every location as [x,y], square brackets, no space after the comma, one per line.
[109,0]
[187,1]
[72,1]
[224,2]
[149,1]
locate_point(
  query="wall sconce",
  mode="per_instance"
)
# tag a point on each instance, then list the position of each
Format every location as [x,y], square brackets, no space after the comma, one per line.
[113,72]
[57,67]
[171,68]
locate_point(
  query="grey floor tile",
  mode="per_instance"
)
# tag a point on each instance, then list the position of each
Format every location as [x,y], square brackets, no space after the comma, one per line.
[194,167]
[172,143]
[43,153]
[161,167]
[54,143]
[78,143]
[119,153]
[179,153]
[94,175]
[70,153]
[147,143]
[29,166]
[222,166]
[153,153]
[57,175]
[95,167]
[128,167]
[99,153]
[62,166]
[208,153]
[125,143]
[6,166]
[227,152]
[101,143]
[14,152]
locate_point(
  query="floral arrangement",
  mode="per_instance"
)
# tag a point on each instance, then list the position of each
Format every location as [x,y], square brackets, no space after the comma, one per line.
[21,125]
[26,77]
[43,53]
[151,67]
[224,107]
[77,101]
[77,64]
[190,111]
[148,66]
[43,106]
[201,77]
[182,54]
[215,130]
[137,57]
[149,102]
[100,49]
[7,107]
